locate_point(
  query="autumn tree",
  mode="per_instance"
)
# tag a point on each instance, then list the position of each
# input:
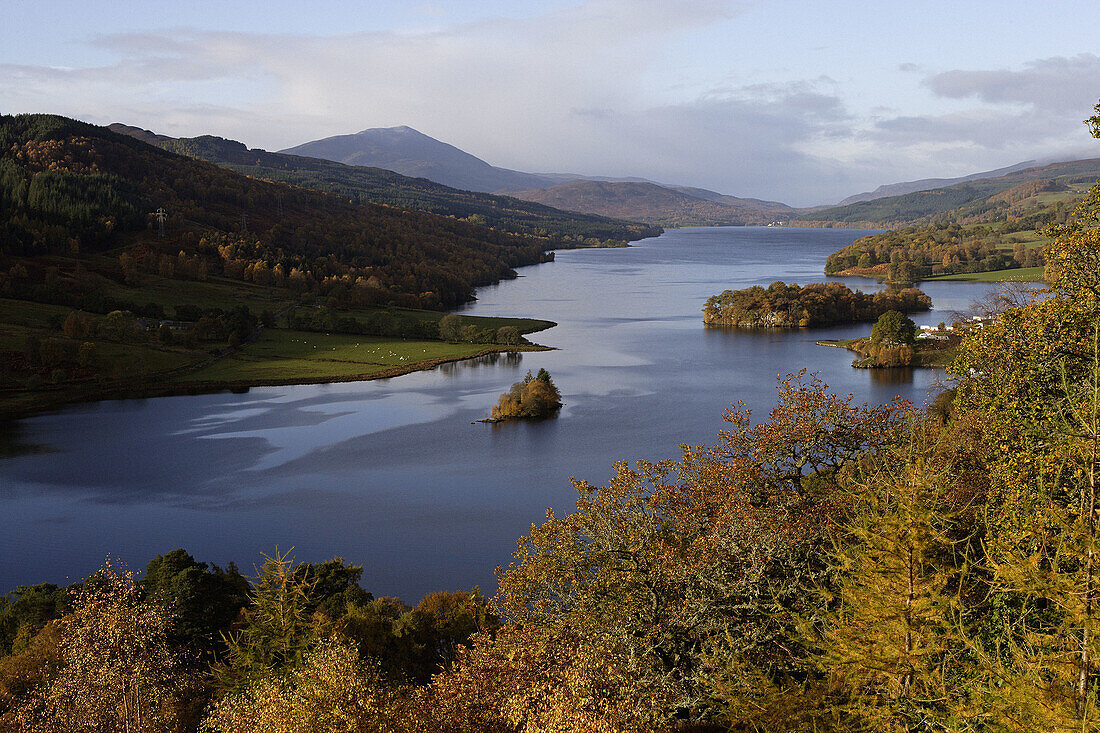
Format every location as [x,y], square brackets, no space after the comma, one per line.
[1032,375]
[893,327]
[534,397]
[892,645]
[331,691]
[450,328]
[117,671]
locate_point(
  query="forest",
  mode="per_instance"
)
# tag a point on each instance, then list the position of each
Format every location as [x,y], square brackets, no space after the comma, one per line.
[125,269]
[817,304]
[1024,199]
[68,188]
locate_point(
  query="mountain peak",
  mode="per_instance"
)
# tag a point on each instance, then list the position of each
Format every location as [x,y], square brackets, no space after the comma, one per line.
[397,129]
[412,153]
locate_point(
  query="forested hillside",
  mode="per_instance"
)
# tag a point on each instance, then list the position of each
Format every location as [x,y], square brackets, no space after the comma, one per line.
[128,270]
[67,187]
[977,201]
[996,232]
[361,184]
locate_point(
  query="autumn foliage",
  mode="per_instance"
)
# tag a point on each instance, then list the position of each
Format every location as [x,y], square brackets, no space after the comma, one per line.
[532,398]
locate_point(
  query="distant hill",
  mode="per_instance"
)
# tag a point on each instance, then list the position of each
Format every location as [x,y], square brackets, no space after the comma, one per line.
[927,184]
[648,202]
[973,201]
[362,184]
[412,153]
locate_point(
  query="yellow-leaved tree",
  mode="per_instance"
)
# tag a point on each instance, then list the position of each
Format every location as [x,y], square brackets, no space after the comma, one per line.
[117,672]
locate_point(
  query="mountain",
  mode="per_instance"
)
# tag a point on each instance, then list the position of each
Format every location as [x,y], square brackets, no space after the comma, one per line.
[927,184]
[412,153]
[654,204]
[362,184]
[974,201]
[69,187]
[406,151]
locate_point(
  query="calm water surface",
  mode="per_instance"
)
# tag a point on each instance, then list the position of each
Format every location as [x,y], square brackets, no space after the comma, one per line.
[393,474]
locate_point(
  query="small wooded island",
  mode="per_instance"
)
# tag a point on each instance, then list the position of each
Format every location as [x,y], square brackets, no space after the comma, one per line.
[817,304]
[532,398]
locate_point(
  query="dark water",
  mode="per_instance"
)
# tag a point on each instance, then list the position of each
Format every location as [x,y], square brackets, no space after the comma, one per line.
[391,474]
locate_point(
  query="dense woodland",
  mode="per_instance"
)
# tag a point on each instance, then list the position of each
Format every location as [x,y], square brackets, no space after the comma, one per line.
[833,567]
[818,304]
[70,188]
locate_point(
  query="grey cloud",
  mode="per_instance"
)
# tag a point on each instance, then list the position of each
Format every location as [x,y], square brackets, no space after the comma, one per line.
[602,113]
[746,143]
[1058,83]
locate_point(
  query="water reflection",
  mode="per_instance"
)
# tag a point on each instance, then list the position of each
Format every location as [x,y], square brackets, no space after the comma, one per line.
[892,375]
[13,441]
[497,358]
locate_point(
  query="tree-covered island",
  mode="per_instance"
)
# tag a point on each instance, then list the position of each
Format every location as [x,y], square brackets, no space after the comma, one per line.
[531,398]
[817,304]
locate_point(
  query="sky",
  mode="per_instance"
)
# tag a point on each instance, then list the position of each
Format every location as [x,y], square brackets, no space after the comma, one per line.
[800,101]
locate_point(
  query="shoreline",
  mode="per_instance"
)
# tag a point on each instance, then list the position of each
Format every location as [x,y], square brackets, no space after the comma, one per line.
[53,401]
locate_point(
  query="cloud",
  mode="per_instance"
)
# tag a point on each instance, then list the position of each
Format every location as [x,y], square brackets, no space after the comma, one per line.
[1056,84]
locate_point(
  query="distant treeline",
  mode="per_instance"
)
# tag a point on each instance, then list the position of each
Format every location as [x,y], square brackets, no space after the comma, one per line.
[817,304]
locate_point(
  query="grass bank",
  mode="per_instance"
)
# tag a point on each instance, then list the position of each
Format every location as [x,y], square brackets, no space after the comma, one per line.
[299,357]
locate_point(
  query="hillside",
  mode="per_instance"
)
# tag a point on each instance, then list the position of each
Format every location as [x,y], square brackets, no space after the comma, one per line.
[1006,237]
[412,153]
[67,187]
[927,184]
[648,202]
[969,202]
[363,184]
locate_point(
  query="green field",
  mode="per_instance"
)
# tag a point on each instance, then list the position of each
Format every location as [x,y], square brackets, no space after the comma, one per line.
[1019,274]
[302,357]
[144,366]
